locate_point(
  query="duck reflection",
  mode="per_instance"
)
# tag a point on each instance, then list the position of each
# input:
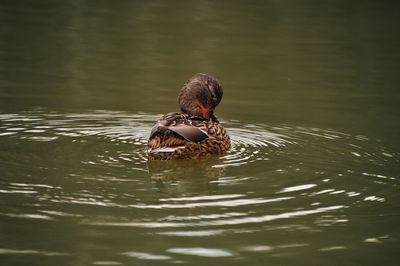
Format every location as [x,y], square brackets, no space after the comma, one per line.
[207,167]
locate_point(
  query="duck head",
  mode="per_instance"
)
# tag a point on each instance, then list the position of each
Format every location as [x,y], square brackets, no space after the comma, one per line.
[200,95]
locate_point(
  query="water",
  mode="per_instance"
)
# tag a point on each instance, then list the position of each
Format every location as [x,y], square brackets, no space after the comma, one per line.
[311,104]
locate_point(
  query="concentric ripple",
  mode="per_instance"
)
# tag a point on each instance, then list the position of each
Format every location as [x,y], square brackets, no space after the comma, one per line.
[250,143]
[119,139]
[91,170]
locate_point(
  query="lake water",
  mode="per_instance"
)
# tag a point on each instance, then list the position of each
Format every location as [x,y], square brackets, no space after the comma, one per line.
[311,102]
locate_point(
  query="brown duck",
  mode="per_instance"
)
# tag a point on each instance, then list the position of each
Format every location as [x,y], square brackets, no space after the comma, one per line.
[196,131]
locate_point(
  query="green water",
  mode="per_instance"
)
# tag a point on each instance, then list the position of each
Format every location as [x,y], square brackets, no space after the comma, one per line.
[311,102]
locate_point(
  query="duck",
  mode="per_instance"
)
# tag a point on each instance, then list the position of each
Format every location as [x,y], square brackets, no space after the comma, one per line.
[194,132]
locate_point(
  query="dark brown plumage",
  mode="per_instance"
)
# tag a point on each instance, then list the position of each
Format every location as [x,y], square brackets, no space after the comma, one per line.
[196,131]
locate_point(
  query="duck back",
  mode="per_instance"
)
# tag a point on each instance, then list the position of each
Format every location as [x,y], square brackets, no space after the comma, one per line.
[179,136]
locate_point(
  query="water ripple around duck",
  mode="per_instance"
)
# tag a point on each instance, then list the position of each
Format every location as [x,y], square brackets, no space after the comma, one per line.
[272,172]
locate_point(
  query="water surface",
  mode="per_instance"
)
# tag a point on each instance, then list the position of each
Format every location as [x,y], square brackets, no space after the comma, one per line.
[310,102]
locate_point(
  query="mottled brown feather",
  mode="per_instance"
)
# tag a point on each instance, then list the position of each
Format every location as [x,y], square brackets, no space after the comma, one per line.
[217,143]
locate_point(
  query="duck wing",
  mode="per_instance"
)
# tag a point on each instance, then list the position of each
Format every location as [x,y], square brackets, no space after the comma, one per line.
[188,132]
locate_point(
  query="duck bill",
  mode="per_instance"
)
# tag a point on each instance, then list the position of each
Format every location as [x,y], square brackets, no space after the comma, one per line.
[206,113]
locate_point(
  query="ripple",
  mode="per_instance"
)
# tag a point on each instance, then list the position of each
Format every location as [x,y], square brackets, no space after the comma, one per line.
[214,197]
[203,252]
[28,216]
[267,218]
[106,263]
[114,125]
[333,248]
[198,233]
[251,143]
[18,191]
[118,128]
[226,203]
[97,161]
[204,216]
[35,252]
[145,256]
[297,188]
[221,222]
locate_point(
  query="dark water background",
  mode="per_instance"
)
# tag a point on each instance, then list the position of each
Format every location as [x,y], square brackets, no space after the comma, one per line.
[311,101]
